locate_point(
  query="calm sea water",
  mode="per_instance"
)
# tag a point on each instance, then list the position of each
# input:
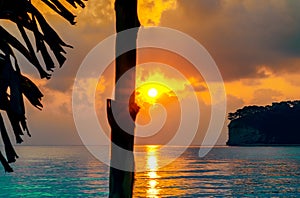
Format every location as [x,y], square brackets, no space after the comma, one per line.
[226,171]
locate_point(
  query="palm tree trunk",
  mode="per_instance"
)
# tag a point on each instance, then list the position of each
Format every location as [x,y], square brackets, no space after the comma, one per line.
[122,164]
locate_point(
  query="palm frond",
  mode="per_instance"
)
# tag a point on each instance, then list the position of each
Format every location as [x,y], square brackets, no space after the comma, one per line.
[13,85]
[11,154]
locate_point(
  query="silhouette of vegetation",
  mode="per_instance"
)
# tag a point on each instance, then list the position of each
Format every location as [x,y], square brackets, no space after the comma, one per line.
[273,124]
[13,85]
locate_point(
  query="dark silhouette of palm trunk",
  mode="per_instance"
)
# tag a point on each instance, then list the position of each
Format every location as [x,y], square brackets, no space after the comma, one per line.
[121,179]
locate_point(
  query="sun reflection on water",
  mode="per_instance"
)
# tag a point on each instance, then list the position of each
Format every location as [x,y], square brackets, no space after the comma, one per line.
[152,166]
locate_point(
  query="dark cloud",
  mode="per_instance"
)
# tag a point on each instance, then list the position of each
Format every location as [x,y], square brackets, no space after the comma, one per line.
[200,88]
[242,35]
[209,7]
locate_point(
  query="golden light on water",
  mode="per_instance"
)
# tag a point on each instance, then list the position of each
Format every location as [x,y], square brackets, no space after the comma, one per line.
[152,162]
[153,183]
[152,174]
[152,166]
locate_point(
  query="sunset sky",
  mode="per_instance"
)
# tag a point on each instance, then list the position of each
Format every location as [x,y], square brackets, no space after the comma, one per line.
[256,45]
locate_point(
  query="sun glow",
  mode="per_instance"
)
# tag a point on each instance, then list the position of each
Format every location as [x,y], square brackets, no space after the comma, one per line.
[152,92]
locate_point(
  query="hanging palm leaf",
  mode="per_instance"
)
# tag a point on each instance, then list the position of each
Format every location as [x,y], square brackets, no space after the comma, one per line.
[13,85]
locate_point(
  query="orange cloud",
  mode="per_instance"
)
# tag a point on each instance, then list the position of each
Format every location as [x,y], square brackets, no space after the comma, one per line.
[267,90]
[150,11]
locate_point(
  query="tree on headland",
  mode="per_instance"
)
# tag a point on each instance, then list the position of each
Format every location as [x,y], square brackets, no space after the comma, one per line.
[272,124]
[13,85]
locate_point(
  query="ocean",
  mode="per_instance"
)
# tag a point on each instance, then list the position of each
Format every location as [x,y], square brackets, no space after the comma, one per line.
[71,171]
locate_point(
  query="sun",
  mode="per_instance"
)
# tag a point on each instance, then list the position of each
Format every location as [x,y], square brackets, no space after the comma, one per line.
[152,92]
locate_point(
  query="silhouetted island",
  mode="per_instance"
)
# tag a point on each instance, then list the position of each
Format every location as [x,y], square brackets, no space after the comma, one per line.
[276,124]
